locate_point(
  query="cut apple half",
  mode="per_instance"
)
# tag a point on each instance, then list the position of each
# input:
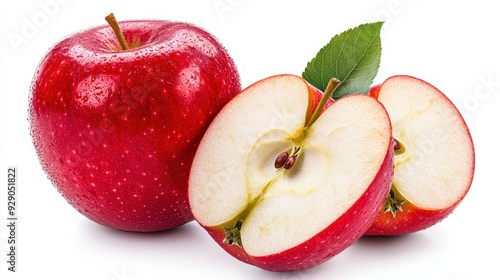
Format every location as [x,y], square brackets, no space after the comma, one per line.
[277,188]
[434,157]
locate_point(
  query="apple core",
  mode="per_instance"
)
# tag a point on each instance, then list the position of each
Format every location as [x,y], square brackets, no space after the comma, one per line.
[283,161]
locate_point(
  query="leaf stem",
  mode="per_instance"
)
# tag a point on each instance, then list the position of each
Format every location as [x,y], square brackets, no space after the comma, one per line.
[116,28]
[333,84]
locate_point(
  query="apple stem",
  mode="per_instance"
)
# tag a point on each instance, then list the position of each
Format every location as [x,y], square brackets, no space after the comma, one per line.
[116,28]
[333,84]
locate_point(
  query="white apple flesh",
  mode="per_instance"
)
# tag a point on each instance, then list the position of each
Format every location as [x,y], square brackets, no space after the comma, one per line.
[293,217]
[434,165]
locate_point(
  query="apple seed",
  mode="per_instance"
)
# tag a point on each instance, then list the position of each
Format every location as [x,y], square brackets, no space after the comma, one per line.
[290,162]
[398,147]
[281,160]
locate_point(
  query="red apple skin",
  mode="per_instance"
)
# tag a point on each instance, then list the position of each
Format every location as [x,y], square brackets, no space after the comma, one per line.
[374,91]
[412,218]
[116,131]
[335,238]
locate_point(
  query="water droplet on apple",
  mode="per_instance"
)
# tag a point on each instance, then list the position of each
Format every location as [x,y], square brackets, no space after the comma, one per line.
[189,81]
[95,90]
[185,38]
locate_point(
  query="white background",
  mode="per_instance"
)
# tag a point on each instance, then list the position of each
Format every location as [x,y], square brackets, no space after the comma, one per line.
[453,45]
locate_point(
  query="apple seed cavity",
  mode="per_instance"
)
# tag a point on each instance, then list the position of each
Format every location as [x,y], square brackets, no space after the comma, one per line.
[283,161]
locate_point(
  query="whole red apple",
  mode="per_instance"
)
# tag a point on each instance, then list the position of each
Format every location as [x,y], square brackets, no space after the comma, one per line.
[116,130]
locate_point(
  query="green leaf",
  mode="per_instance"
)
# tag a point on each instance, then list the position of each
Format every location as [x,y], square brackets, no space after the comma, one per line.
[352,56]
